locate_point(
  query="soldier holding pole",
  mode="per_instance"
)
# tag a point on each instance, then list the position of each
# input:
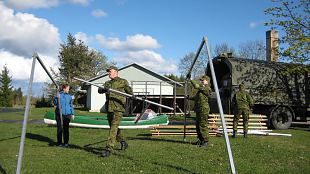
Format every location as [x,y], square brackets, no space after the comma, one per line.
[202,109]
[115,106]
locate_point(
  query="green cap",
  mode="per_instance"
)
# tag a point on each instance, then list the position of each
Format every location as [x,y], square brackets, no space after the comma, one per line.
[112,67]
[204,77]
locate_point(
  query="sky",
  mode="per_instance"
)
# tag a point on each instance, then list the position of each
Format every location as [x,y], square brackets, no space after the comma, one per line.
[155,34]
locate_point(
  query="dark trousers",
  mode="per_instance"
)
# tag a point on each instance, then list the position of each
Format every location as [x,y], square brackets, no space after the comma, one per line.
[64,130]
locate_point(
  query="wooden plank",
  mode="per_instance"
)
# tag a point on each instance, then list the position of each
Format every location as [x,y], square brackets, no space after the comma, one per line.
[240,123]
[232,116]
[231,119]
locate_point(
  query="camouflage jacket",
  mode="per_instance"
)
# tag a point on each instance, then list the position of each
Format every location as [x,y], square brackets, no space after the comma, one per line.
[242,100]
[116,102]
[201,97]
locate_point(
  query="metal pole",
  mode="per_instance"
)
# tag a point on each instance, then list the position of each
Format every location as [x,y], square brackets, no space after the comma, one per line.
[196,57]
[43,66]
[123,94]
[231,160]
[22,140]
[185,111]
[160,97]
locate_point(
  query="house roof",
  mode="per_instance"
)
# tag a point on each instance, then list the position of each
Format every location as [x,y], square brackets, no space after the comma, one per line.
[166,79]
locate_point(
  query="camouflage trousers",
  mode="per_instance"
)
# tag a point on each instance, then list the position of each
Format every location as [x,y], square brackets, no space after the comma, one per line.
[245,116]
[114,119]
[202,126]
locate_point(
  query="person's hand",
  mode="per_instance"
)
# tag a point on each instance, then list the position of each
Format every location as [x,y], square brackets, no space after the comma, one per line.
[188,76]
[134,97]
[102,90]
[72,117]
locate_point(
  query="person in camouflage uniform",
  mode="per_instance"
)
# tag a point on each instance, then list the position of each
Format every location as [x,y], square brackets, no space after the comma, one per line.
[242,102]
[115,106]
[202,109]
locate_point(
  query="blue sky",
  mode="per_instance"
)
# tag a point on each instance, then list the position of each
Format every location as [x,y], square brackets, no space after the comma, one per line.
[153,33]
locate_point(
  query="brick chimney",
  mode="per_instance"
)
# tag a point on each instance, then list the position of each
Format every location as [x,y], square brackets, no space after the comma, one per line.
[272,45]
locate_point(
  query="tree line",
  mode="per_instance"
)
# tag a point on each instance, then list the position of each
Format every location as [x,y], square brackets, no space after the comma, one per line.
[78,60]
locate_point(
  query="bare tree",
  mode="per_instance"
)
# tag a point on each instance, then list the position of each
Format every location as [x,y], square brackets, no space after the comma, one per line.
[252,50]
[199,67]
[223,48]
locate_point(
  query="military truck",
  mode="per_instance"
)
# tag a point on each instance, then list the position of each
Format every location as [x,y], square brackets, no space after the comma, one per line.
[280,90]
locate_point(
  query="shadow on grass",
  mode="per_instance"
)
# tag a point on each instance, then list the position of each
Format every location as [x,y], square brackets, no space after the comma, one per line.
[2,170]
[87,148]
[41,138]
[178,168]
[9,138]
[157,139]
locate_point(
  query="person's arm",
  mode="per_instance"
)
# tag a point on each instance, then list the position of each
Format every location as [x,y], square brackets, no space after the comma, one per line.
[234,102]
[71,105]
[195,84]
[127,88]
[204,89]
[55,101]
[250,100]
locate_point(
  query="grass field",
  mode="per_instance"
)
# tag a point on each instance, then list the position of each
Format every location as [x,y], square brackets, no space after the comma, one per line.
[147,154]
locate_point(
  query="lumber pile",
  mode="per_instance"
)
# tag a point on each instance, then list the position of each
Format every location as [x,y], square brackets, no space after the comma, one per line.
[256,122]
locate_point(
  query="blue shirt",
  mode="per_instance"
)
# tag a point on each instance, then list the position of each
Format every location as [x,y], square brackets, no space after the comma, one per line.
[66,103]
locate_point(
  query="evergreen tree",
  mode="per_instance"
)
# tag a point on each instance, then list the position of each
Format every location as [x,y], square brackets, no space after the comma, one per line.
[77,60]
[5,88]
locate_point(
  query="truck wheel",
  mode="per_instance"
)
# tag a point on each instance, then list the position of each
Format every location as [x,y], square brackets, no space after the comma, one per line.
[281,117]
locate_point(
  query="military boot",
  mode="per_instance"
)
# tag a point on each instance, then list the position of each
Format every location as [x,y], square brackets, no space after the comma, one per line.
[204,144]
[234,134]
[245,134]
[106,153]
[124,145]
[198,142]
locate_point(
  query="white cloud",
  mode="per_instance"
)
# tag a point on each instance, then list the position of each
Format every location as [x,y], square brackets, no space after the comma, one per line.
[23,33]
[20,67]
[99,13]
[256,24]
[83,37]
[136,42]
[148,59]
[25,4]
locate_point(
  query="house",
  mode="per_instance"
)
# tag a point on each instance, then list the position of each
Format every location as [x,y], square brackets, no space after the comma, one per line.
[143,82]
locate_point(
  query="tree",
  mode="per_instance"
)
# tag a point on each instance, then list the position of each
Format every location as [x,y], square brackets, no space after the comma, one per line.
[199,67]
[17,96]
[77,60]
[223,48]
[252,50]
[5,88]
[99,63]
[175,77]
[74,60]
[292,18]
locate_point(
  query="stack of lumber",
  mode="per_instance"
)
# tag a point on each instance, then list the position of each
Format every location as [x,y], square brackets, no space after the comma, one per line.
[256,122]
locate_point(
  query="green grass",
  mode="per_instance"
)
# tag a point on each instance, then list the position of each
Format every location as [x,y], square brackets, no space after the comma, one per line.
[147,154]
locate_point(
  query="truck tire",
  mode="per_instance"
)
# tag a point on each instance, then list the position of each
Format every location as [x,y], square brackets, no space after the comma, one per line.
[281,117]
